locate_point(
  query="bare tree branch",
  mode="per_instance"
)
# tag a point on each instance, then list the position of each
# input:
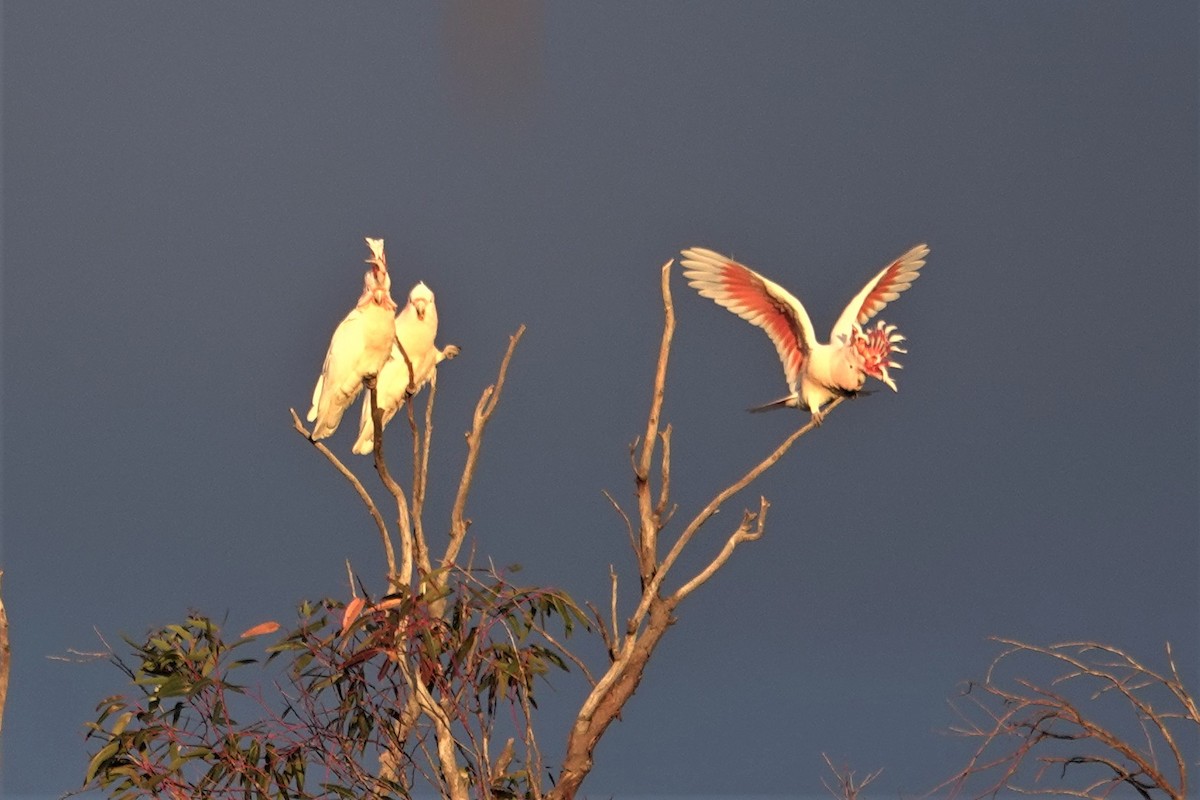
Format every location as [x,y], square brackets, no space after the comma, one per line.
[616,632]
[420,466]
[1035,739]
[388,550]
[709,510]
[848,787]
[631,652]
[625,517]
[454,786]
[483,413]
[421,486]
[742,534]
[650,523]
[664,489]
[403,520]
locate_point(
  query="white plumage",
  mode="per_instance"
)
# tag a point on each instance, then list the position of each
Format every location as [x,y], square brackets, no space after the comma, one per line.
[416,329]
[816,373]
[359,347]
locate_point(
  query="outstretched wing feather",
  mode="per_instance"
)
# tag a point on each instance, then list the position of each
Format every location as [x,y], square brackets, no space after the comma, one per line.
[881,290]
[755,299]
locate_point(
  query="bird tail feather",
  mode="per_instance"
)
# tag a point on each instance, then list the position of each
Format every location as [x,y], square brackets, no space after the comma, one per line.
[365,442]
[782,402]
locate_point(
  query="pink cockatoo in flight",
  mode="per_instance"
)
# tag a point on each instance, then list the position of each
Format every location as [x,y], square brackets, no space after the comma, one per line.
[416,329]
[360,346]
[816,373]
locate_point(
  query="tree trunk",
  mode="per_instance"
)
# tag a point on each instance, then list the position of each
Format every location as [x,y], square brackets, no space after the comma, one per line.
[627,672]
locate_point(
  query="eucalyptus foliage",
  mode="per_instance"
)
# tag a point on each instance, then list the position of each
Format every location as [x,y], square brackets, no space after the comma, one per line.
[310,715]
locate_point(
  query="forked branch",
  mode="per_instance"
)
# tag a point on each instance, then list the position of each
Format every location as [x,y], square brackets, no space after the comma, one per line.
[629,653]
[649,515]
[1047,732]
[744,533]
[403,520]
[848,787]
[483,414]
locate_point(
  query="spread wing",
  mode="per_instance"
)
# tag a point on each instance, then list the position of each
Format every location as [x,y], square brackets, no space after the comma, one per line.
[881,290]
[756,300]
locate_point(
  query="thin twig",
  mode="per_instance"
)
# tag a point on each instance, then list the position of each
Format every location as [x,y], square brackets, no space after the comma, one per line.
[425,450]
[388,550]
[616,632]
[403,520]
[420,465]
[664,471]
[483,413]
[709,510]
[628,525]
[660,376]
[1031,714]
[545,634]
[847,787]
[742,534]
[650,525]
[602,626]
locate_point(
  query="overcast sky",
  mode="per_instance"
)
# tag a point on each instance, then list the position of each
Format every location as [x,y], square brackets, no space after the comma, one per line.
[186,189]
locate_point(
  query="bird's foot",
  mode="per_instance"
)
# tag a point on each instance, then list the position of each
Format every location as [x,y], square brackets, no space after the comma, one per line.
[369,381]
[450,351]
[818,416]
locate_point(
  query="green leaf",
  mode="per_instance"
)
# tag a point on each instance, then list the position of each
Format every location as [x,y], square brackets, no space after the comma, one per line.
[122,721]
[106,752]
[173,686]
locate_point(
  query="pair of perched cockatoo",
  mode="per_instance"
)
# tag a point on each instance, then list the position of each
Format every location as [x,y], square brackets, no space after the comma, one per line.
[373,342]
[816,373]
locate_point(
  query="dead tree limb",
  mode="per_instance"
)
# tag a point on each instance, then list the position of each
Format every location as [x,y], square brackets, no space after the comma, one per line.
[484,410]
[388,549]
[629,653]
[1077,719]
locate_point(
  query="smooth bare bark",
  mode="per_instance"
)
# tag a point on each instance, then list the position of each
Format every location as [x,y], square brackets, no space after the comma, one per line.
[403,519]
[630,651]
[484,410]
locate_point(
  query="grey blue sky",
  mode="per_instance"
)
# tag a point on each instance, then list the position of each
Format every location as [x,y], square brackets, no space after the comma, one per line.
[186,188]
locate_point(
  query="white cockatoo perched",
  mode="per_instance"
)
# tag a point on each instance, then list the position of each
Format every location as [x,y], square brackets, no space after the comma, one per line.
[360,346]
[416,329]
[816,373]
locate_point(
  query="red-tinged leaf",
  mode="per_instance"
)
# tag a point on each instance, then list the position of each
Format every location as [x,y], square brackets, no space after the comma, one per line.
[353,609]
[260,629]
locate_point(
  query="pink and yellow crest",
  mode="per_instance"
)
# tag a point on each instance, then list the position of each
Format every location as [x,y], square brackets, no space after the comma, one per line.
[875,347]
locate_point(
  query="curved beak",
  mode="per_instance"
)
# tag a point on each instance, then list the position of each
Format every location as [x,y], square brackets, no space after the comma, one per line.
[382,298]
[419,307]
